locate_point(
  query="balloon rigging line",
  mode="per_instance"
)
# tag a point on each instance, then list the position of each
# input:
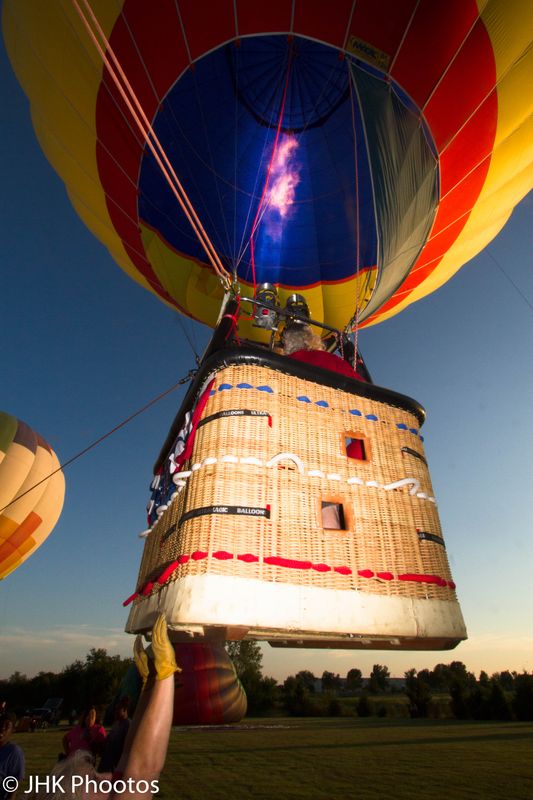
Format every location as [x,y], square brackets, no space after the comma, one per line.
[100,439]
[493,90]
[212,164]
[511,281]
[404,37]
[150,136]
[183,32]
[355,318]
[372,185]
[348,26]
[135,133]
[244,247]
[155,284]
[171,220]
[450,62]
[64,149]
[262,203]
[190,340]
[235,151]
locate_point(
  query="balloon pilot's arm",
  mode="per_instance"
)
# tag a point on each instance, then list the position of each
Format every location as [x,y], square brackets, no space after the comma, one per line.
[146,744]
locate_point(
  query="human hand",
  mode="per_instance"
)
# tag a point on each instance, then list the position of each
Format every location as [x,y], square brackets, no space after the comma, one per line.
[162,651]
[141,659]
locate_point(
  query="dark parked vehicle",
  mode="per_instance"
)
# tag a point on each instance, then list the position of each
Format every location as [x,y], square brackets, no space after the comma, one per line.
[49,714]
[41,717]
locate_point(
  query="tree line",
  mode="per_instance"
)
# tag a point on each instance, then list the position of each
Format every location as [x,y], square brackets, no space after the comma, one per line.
[94,681]
[448,690]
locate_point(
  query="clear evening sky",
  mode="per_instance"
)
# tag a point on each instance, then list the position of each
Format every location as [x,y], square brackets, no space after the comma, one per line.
[83,347]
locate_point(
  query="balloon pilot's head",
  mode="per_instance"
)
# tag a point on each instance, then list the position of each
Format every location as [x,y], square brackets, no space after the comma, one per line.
[297,333]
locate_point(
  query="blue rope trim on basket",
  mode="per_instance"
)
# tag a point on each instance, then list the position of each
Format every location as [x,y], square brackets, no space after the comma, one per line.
[403,427]
[225,386]
[322,403]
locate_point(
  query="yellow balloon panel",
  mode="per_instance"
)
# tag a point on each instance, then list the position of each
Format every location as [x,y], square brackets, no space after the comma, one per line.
[33,489]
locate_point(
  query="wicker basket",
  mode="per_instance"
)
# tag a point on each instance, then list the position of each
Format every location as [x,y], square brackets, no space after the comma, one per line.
[275,532]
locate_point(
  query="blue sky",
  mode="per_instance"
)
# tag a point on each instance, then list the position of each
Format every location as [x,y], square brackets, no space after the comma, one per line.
[83,347]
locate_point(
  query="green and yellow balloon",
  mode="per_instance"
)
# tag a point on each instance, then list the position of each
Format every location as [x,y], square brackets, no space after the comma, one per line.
[32,490]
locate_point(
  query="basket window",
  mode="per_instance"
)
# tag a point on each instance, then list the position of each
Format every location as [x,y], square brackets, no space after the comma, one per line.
[333,517]
[355,446]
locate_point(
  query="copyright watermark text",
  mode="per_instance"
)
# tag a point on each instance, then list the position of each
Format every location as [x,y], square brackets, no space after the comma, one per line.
[63,785]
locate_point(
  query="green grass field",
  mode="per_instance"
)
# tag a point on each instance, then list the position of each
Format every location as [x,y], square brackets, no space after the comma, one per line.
[366,759]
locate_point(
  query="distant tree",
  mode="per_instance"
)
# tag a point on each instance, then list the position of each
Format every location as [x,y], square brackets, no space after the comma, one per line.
[418,691]
[354,680]
[444,676]
[298,699]
[102,676]
[43,686]
[15,691]
[334,708]
[307,679]
[247,658]
[439,680]
[505,679]
[484,679]
[459,673]
[460,695]
[17,678]
[523,699]
[500,707]
[264,697]
[379,679]
[72,681]
[330,682]
[364,709]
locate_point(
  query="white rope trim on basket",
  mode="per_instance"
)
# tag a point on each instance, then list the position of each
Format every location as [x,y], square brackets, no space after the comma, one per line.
[179,478]
[256,462]
[287,456]
[312,473]
[415,486]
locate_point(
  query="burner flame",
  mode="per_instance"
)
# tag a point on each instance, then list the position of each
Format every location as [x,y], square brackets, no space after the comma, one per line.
[285,177]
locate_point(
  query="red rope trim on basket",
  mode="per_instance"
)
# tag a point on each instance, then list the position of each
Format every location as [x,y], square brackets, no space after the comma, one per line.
[288,563]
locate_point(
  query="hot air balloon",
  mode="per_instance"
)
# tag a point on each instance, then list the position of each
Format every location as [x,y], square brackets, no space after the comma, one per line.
[357,156]
[207,690]
[32,489]
[251,162]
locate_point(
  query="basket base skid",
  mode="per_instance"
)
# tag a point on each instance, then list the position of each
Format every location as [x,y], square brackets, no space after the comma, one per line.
[219,608]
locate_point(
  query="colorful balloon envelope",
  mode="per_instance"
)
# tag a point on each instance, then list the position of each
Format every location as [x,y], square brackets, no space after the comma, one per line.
[208,691]
[355,153]
[32,490]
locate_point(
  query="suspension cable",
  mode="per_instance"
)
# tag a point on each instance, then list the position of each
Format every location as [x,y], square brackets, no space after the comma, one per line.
[135,108]
[258,214]
[100,439]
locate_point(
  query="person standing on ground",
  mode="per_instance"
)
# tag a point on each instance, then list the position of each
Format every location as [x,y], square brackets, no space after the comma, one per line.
[143,758]
[11,759]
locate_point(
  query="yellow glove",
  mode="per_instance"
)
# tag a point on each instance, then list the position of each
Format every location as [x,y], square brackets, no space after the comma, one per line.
[162,651]
[141,660]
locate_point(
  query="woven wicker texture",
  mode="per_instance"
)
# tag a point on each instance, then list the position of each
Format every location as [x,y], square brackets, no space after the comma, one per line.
[392,541]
